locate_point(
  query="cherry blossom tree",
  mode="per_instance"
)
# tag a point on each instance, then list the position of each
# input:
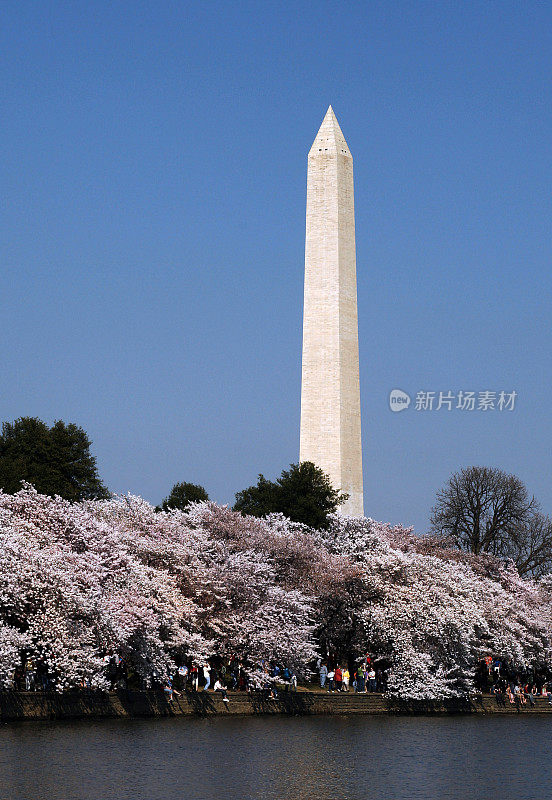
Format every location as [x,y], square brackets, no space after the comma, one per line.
[80,580]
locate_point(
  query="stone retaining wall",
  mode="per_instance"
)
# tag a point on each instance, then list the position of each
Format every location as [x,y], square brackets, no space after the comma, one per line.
[128,703]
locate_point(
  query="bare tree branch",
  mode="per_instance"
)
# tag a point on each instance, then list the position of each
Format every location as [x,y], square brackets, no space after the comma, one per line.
[484,510]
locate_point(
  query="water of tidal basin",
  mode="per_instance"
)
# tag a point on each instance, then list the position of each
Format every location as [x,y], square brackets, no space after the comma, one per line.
[297,758]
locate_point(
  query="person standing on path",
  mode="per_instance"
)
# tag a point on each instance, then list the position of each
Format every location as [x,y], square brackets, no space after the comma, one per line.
[323,675]
[195,677]
[183,673]
[372,679]
[361,678]
[29,675]
[207,676]
[338,678]
[346,678]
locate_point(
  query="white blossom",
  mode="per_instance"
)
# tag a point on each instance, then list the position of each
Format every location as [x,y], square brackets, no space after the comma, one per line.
[78,580]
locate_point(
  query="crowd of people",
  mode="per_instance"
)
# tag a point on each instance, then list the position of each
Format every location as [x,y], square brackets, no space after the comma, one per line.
[31,675]
[510,685]
[220,675]
[493,675]
[215,677]
[366,676]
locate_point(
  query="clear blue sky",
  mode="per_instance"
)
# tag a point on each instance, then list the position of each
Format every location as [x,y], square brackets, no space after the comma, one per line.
[154,174]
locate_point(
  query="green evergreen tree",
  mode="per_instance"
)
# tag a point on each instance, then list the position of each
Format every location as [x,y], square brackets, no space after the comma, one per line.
[303,493]
[182,494]
[54,460]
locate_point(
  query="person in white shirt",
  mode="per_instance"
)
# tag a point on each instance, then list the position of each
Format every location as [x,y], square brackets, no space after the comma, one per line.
[331,675]
[372,678]
[207,676]
[218,687]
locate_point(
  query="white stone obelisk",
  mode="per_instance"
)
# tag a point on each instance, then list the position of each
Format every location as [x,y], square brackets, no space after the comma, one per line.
[330,389]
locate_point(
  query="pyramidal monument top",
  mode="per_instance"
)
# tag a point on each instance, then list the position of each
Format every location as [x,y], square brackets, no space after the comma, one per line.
[330,137]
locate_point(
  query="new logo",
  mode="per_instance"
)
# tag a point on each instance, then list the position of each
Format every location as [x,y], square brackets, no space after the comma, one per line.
[398,400]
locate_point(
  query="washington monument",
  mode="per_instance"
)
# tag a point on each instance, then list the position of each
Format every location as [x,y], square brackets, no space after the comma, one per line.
[330,389]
